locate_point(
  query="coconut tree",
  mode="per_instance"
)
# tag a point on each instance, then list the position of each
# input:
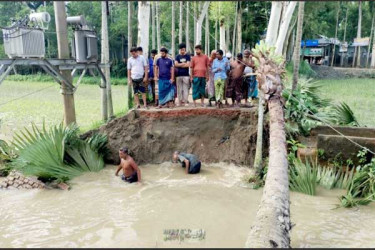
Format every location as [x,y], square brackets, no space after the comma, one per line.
[130,44]
[157,15]
[173,29]
[187,35]
[153,31]
[180,23]
[337,26]
[297,46]
[272,223]
[143,25]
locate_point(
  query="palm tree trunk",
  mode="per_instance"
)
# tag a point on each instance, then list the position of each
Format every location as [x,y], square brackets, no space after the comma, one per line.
[143,26]
[297,46]
[180,23]
[222,35]
[216,34]
[105,58]
[258,164]
[359,33]
[273,24]
[153,31]
[239,27]
[346,24]
[173,29]
[337,26]
[234,30]
[284,27]
[187,37]
[130,44]
[195,22]
[207,35]
[369,44]
[227,40]
[158,24]
[272,223]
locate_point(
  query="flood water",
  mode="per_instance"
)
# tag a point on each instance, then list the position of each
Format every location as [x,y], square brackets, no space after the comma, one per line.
[103,211]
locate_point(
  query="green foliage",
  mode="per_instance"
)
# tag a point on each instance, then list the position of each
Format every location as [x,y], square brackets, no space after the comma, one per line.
[361,190]
[303,177]
[98,143]
[56,153]
[7,152]
[344,115]
[344,179]
[305,69]
[327,177]
[262,50]
[306,109]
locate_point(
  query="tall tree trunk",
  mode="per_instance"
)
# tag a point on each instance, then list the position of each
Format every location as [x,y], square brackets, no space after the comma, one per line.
[373,52]
[158,24]
[216,34]
[105,58]
[272,223]
[194,4]
[337,26]
[297,46]
[239,27]
[234,29]
[187,36]
[371,41]
[222,35]
[130,44]
[359,28]
[273,24]
[289,36]
[153,23]
[143,26]
[227,40]
[346,24]
[130,23]
[258,161]
[180,23]
[199,21]
[284,27]
[207,35]
[173,29]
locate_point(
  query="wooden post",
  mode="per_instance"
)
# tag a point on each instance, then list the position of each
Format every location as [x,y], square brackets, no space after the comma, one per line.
[63,53]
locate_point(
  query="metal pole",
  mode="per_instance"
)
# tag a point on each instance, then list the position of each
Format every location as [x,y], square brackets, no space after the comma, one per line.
[63,53]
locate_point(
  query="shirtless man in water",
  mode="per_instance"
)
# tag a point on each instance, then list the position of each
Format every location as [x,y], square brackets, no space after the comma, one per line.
[130,170]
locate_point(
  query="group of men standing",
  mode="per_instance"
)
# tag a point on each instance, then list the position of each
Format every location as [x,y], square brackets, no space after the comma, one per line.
[217,77]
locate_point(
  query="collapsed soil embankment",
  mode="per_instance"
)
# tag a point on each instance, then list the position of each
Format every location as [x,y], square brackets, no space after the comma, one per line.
[215,135]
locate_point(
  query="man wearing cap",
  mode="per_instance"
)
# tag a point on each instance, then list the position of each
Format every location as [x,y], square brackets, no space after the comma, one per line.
[190,162]
[130,170]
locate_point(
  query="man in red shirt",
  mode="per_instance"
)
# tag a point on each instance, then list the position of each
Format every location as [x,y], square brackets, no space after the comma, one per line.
[199,67]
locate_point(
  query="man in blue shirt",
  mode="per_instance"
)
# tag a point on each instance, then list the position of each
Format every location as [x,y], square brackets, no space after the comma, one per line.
[151,83]
[220,67]
[190,162]
[164,75]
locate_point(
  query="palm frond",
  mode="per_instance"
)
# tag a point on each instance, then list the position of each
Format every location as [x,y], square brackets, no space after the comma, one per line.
[344,115]
[303,177]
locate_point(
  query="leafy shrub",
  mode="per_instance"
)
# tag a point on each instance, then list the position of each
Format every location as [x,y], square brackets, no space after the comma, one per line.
[303,177]
[57,153]
[304,69]
[306,109]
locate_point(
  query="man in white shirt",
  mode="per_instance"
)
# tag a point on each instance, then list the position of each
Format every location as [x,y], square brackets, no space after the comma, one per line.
[138,76]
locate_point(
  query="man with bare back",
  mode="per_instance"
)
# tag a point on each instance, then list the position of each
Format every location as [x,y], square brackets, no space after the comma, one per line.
[237,69]
[130,170]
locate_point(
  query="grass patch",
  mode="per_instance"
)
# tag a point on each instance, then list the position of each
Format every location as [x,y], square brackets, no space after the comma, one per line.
[358,93]
[47,105]
[47,78]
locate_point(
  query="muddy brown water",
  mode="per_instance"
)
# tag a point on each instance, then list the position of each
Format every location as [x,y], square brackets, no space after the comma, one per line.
[103,211]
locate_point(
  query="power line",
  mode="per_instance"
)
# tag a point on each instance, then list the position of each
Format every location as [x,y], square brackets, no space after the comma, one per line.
[1,104]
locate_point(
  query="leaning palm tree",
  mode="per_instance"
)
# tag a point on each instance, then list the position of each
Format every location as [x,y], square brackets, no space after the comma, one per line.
[272,223]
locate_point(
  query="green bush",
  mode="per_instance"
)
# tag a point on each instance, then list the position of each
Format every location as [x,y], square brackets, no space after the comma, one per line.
[56,153]
[303,177]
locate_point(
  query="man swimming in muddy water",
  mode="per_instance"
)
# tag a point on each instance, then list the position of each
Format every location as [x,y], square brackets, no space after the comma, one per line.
[130,171]
[190,162]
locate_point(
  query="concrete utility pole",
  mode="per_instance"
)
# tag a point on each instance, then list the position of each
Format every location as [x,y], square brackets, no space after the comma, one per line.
[63,52]
[107,97]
